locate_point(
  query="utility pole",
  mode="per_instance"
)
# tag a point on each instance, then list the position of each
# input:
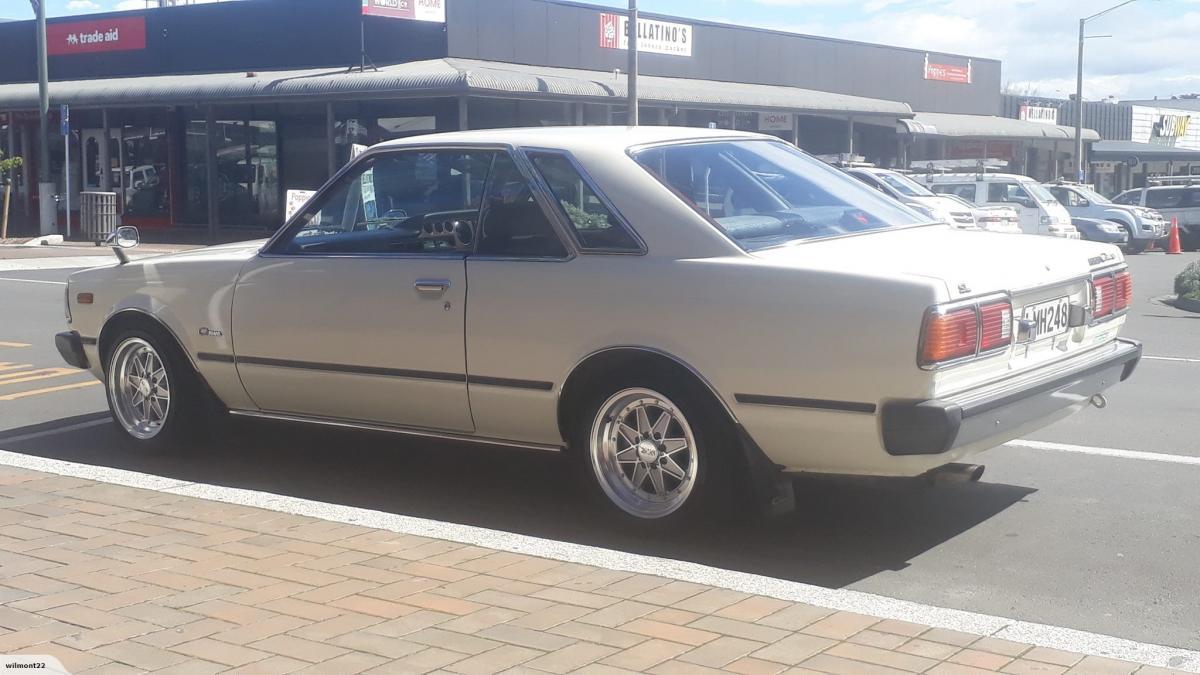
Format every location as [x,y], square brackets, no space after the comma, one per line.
[1079,174]
[632,88]
[48,211]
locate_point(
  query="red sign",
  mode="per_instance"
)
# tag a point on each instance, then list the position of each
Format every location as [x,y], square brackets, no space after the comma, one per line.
[943,72]
[610,31]
[101,35]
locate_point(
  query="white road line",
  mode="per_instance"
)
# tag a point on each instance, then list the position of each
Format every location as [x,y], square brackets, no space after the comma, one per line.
[34,281]
[1170,358]
[1041,635]
[1106,452]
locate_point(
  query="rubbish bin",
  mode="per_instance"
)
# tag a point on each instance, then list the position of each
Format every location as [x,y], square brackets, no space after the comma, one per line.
[97,215]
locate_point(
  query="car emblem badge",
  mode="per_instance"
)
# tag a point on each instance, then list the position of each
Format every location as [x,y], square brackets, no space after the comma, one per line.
[210,332]
[963,288]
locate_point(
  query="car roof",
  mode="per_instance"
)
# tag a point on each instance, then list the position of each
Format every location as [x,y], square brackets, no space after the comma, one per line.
[567,138]
[971,177]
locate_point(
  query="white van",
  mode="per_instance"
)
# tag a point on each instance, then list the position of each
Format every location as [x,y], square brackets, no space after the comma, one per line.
[1040,211]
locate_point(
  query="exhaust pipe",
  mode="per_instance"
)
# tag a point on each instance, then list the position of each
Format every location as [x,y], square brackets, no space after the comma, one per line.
[955,473]
[1099,401]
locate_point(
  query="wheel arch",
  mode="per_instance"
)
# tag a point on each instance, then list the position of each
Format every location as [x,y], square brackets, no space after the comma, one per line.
[136,318]
[604,362]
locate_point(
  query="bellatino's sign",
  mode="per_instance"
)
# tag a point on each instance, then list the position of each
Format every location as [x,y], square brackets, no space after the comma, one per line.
[944,72]
[120,34]
[414,10]
[657,37]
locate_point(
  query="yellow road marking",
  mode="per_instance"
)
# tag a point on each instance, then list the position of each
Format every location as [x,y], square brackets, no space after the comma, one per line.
[31,375]
[13,344]
[14,366]
[48,390]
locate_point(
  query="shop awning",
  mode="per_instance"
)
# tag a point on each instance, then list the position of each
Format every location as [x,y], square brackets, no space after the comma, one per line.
[1132,152]
[438,77]
[987,126]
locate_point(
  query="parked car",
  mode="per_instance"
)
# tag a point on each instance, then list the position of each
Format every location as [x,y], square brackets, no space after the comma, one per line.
[1095,229]
[1040,212]
[908,191]
[1141,224]
[995,218]
[1177,198]
[681,310]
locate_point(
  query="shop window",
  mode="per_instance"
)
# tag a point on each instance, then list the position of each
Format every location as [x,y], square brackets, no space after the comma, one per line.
[247,173]
[141,175]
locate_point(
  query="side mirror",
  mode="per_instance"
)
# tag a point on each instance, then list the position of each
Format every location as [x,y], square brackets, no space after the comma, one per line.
[122,238]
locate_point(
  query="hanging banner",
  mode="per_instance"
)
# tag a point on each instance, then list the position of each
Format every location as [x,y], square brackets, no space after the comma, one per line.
[775,122]
[117,34]
[414,10]
[943,72]
[654,37]
[1039,114]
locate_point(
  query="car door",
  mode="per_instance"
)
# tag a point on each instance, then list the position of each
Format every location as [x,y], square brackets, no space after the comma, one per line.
[356,311]
[1012,194]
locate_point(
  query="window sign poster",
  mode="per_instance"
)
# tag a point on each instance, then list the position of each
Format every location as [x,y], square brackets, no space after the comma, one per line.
[295,200]
[368,194]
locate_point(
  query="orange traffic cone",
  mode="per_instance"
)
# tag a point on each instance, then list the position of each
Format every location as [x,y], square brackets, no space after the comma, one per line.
[1173,247]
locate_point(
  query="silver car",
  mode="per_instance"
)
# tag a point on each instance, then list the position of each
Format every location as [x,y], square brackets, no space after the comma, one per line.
[1143,225]
[684,312]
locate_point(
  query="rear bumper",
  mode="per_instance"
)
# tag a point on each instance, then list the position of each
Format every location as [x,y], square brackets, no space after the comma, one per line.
[70,346]
[939,426]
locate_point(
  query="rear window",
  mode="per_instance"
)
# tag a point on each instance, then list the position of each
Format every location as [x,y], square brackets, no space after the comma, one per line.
[1165,198]
[765,193]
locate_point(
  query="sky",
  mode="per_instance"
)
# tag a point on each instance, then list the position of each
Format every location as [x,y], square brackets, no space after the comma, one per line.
[1151,51]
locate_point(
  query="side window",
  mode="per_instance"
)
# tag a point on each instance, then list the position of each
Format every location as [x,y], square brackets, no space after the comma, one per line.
[1066,197]
[964,190]
[1164,199]
[595,225]
[513,223]
[1193,198]
[1007,192]
[870,181]
[406,202]
[1130,198]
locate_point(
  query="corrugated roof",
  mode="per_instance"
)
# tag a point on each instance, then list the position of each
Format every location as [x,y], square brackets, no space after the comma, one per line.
[443,77]
[1124,151]
[987,126]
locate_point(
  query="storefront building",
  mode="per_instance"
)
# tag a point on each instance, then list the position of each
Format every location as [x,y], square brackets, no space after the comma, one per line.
[204,116]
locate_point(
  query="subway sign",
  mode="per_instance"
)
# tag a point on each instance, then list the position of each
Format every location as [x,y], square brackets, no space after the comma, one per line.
[655,37]
[119,34]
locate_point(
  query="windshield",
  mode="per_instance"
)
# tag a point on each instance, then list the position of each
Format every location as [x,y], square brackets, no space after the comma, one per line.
[1092,196]
[904,184]
[765,193]
[1039,193]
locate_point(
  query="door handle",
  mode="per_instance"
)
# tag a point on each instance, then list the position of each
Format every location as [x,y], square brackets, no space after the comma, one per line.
[431,286]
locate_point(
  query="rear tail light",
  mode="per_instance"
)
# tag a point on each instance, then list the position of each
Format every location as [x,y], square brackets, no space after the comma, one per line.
[996,323]
[950,335]
[1124,290]
[1104,296]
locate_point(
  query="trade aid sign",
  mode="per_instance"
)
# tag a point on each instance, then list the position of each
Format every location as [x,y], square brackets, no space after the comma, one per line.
[657,37]
[943,72]
[120,34]
[414,10]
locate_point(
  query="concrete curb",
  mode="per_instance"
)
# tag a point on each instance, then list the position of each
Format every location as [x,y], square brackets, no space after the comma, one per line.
[1187,304]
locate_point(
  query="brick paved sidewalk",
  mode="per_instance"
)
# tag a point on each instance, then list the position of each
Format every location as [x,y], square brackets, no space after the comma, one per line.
[112,579]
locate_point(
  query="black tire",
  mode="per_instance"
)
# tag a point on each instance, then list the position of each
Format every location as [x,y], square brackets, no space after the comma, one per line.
[1134,246]
[184,421]
[714,495]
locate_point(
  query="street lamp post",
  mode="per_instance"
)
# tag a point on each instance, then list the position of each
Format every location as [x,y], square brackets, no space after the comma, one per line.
[48,208]
[632,87]
[1079,175]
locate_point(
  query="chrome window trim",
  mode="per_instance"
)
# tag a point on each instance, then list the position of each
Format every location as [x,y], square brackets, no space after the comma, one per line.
[590,182]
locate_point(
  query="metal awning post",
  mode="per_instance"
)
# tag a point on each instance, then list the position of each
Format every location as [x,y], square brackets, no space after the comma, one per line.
[464,122]
[105,154]
[212,180]
[330,139]
[850,135]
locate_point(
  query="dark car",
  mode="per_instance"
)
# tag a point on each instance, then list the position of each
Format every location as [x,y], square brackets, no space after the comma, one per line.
[1095,229]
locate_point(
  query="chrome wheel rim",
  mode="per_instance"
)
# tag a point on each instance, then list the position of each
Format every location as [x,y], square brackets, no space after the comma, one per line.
[643,453]
[140,388]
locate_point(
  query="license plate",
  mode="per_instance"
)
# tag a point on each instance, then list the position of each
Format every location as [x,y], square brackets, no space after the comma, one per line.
[1048,319]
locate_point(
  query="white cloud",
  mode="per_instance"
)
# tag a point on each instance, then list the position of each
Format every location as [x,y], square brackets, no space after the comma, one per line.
[82,5]
[131,4]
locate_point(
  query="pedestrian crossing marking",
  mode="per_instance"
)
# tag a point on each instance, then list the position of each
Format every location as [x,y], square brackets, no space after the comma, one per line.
[14,344]
[34,375]
[48,390]
[14,366]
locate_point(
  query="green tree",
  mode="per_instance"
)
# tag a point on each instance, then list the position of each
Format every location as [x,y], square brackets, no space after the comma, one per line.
[7,166]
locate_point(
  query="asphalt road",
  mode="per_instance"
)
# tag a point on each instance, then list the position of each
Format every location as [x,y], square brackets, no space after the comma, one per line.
[1087,541]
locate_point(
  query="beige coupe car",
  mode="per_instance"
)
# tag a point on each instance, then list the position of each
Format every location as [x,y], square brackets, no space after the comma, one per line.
[684,311]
